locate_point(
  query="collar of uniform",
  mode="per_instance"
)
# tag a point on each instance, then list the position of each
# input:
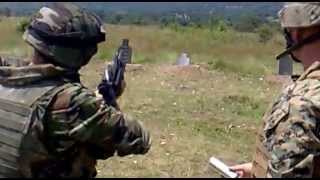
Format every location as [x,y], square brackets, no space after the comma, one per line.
[16,76]
[313,72]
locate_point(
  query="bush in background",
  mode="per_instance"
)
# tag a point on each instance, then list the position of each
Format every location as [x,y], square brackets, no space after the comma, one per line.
[265,33]
[22,25]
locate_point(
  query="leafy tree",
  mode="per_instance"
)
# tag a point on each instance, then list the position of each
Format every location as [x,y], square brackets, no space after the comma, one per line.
[248,22]
[23,24]
[265,33]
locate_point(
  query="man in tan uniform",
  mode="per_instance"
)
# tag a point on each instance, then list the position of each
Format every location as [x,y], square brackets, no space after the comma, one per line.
[288,144]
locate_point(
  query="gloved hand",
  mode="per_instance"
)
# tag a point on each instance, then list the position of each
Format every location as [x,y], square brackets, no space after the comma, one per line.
[135,141]
[118,89]
[108,93]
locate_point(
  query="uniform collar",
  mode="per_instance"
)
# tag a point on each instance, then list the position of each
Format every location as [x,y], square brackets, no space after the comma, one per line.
[313,72]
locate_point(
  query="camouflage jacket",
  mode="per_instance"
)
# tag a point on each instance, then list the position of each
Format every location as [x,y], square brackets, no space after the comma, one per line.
[78,128]
[291,128]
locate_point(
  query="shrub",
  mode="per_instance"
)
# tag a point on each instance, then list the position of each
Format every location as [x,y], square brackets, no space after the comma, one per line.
[22,25]
[247,22]
[265,33]
[245,67]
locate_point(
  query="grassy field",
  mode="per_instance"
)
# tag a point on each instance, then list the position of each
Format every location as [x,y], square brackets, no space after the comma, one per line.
[213,107]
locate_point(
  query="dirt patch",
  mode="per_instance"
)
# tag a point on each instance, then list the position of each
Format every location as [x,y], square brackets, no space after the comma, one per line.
[183,71]
[279,79]
[134,67]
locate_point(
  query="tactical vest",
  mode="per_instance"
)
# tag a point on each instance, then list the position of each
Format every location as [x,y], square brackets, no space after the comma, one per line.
[17,107]
[262,156]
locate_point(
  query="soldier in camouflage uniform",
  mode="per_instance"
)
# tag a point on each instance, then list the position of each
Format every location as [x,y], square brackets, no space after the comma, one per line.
[50,124]
[288,144]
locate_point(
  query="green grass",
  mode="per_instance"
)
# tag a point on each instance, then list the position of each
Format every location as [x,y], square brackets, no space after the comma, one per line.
[225,50]
[192,112]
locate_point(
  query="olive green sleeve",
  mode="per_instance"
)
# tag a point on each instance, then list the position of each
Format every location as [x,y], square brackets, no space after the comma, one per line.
[89,120]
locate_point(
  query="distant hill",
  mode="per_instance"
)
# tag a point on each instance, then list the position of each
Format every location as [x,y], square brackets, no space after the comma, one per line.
[26,8]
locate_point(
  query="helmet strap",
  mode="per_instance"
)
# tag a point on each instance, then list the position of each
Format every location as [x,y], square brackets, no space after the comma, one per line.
[291,46]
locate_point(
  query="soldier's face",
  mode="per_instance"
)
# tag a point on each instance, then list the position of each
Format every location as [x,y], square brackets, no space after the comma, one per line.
[307,53]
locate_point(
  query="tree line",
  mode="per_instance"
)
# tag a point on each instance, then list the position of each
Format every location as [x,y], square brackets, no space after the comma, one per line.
[263,24]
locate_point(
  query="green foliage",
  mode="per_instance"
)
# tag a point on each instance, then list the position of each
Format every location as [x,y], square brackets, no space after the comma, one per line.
[218,26]
[176,27]
[139,21]
[217,23]
[244,105]
[22,25]
[141,59]
[222,26]
[104,54]
[247,22]
[243,21]
[117,18]
[247,67]
[265,33]
[165,21]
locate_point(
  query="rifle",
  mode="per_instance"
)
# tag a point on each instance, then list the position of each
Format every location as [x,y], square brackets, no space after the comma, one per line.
[114,74]
[122,57]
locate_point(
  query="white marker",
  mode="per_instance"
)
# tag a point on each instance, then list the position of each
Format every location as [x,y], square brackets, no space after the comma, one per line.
[222,168]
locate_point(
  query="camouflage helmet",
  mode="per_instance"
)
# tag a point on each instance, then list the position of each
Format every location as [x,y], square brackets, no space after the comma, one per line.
[300,14]
[66,34]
